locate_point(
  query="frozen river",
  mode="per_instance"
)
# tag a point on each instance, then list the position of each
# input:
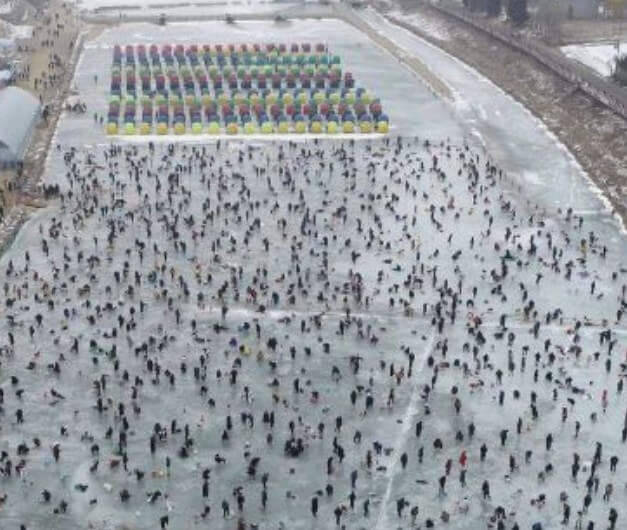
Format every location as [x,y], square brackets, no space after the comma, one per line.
[215,284]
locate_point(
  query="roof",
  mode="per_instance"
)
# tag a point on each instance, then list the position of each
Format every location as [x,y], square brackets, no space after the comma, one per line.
[7,44]
[18,110]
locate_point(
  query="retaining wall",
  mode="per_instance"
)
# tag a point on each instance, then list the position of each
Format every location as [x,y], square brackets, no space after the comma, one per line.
[605,92]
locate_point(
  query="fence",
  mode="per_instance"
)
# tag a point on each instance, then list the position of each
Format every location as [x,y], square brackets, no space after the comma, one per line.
[605,92]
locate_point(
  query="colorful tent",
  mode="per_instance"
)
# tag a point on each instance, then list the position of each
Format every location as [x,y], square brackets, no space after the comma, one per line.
[167,87]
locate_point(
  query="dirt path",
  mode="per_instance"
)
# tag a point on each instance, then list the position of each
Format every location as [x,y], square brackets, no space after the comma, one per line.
[595,135]
[55,36]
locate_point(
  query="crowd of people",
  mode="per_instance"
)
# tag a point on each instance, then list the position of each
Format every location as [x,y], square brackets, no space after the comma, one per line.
[353,334]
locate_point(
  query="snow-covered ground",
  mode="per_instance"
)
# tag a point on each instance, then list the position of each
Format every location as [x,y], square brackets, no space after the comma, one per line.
[429,26]
[418,224]
[13,32]
[599,57]
[95,4]
[7,7]
[184,7]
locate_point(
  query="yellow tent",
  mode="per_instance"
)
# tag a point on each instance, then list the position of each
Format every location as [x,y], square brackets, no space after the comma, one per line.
[272,98]
[112,128]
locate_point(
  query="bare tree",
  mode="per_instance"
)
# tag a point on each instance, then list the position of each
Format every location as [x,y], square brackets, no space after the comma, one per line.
[550,16]
[616,8]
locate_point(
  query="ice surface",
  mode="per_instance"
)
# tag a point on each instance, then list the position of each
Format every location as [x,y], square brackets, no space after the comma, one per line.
[384,188]
[411,109]
[507,130]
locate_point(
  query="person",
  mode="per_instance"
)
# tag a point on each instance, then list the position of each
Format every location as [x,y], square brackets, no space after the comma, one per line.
[414,514]
[613,517]
[485,489]
[400,506]
[607,494]
[442,483]
[201,275]
[565,513]
[338,515]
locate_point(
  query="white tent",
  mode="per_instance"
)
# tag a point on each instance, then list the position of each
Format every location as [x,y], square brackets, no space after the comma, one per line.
[19,111]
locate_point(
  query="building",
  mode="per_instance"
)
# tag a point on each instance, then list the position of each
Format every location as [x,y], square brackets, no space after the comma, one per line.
[582,9]
[6,77]
[615,8]
[7,46]
[19,113]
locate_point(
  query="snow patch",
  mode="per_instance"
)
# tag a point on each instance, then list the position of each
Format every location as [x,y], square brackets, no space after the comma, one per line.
[7,8]
[431,27]
[11,32]
[599,57]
